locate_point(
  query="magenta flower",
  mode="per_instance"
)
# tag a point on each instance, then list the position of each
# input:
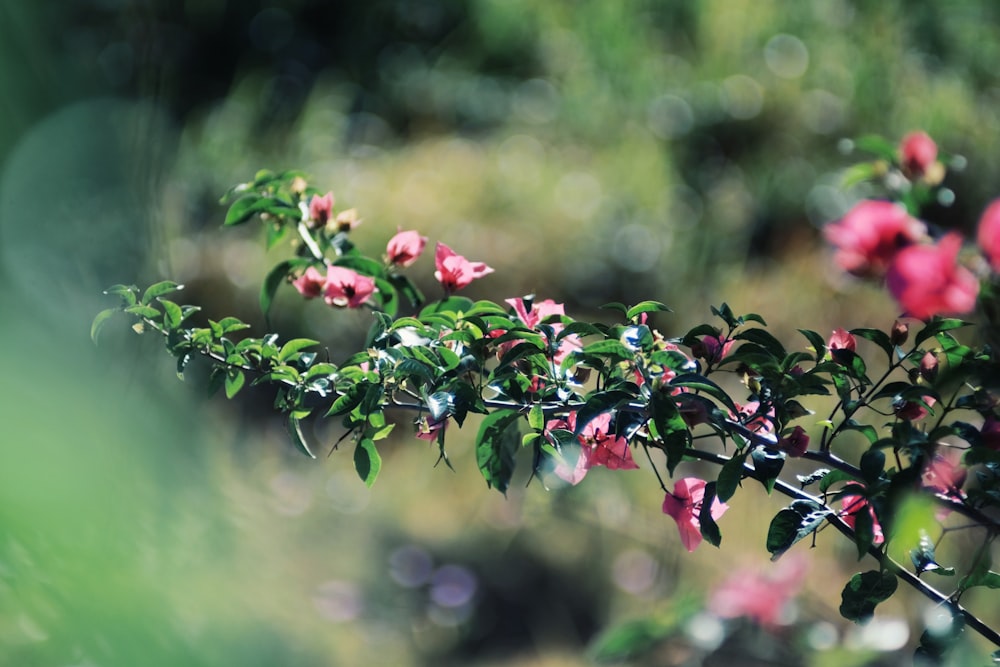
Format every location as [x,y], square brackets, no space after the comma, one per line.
[321,209]
[428,428]
[913,410]
[750,416]
[917,153]
[760,595]
[345,287]
[944,473]
[795,443]
[597,448]
[684,505]
[539,312]
[454,271]
[310,284]
[851,506]
[712,349]
[870,235]
[988,235]
[404,248]
[989,433]
[842,340]
[927,280]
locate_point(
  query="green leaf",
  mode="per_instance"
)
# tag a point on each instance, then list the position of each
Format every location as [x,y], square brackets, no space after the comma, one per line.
[143,311]
[579,329]
[367,461]
[646,307]
[412,368]
[98,323]
[159,289]
[864,592]
[536,417]
[763,338]
[611,349]
[818,342]
[936,326]
[877,146]
[234,382]
[293,346]
[348,400]
[709,529]
[172,314]
[872,465]
[298,438]
[496,445]
[878,337]
[669,426]
[230,324]
[859,173]
[768,464]
[924,559]
[276,278]
[730,476]
[792,524]
[126,292]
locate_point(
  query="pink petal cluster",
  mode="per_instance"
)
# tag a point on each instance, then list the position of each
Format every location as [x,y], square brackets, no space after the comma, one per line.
[758,594]
[428,428]
[851,506]
[339,287]
[404,248]
[840,339]
[795,443]
[321,209]
[539,312]
[684,505]
[988,234]
[597,448]
[944,473]
[913,410]
[870,235]
[751,417]
[712,349]
[454,271]
[927,280]
[917,153]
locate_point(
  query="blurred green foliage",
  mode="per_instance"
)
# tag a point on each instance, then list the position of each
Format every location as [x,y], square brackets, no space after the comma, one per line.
[590,151]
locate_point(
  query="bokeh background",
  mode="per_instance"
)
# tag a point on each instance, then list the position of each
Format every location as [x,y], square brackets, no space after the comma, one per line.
[590,151]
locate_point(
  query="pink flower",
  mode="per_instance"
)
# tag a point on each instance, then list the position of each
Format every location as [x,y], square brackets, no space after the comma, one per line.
[927,280]
[404,248]
[988,235]
[539,312]
[684,505]
[597,448]
[917,152]
[851,506]
[750,416]
[944,473]
[345,287]
[989,433]
[760,595]
[913,410]
[712,349]
[842,340]
[454,271]
[870,235]
[428,428]
[310,284]
[320,209]
[795,443]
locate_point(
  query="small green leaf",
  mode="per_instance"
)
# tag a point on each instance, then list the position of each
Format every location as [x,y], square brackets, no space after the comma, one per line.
[709,529]
[367,461]
[159,289]
[768,464]
[878,337]
[646,307]
[818,342]
[293,346]
[299,438]
[172,314]
[98,324]
[496,444]
[792,524]
[234,382]
[864,592]
[730,476]
[536,417]
[276,278]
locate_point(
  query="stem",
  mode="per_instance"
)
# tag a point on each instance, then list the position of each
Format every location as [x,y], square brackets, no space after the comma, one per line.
[310,242]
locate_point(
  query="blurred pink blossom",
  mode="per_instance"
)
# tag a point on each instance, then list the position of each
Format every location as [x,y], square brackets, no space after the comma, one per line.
[345,287]
[917,153]
[597,447]
[454,271]
[310,284]
[988,235]
[841,339]
[684,505]
[760,594]
[870,235]
[320,209]
[851,506]
[404,248]
[927,280]
[539,312]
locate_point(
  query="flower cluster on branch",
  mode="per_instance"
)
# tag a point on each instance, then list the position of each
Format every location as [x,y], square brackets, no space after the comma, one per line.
[582,394]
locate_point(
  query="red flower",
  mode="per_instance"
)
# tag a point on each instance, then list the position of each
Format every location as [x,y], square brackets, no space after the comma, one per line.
[310,284]
[913,410]
[345,287]
[712,349]
[840,339]
[795,443]
[917,153]
[684,505]
[454,271]
[428,428]
[852,506]
[927,280]
[988,235]
[404,248]
[870,235]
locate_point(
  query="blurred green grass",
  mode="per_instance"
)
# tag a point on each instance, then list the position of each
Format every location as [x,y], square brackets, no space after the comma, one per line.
[590,152]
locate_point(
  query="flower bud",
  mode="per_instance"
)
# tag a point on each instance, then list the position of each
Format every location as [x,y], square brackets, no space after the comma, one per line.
[900,332]
[929,367]
[917,153]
